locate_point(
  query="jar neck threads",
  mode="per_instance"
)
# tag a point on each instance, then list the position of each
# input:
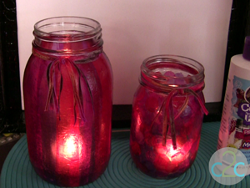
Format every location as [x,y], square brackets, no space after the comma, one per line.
[67,36]
[164,73]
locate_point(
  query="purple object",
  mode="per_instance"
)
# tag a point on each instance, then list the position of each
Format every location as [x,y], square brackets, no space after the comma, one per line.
[243,112]
[246,51]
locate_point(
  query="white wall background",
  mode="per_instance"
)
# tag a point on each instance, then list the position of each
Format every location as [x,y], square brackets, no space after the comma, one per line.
[136,29]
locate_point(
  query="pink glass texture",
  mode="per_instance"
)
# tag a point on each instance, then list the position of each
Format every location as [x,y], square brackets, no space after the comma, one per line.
[167,115]
[67,89]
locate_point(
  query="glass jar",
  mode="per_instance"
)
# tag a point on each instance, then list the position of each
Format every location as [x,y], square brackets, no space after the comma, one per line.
[167,115]
[67,89]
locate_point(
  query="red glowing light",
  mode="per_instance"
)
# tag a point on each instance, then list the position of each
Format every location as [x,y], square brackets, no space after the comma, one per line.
[171,153]
[66,50]
[173,85]
[71,147]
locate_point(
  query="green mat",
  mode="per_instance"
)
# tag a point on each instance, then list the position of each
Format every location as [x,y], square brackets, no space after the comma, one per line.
[17,171]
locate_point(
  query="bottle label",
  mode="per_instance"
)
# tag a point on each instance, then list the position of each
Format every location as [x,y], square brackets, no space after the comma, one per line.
[236,121]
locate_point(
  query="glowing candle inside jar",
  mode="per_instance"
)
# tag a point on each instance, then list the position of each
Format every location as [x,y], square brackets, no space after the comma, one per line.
[70,147]
[69,155]
[168,109]
[174,155]
[169,161]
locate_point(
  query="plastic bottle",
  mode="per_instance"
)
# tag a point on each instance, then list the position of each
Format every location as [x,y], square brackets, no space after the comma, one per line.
[235,123]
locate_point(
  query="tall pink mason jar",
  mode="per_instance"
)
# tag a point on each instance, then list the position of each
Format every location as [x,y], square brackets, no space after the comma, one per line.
[67,90]
[167,115]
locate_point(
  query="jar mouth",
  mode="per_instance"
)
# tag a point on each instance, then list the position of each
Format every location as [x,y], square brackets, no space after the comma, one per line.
[171,71]
[67,28]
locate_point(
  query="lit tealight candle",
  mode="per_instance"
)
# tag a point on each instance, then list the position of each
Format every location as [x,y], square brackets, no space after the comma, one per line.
[70,147]
[174,155]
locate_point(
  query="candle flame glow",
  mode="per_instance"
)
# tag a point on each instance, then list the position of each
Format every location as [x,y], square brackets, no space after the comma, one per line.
[173,85]
[71,147]
[171,153]
[66,50]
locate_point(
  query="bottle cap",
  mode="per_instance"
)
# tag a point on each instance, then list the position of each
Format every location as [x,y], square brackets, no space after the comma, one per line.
[246,51]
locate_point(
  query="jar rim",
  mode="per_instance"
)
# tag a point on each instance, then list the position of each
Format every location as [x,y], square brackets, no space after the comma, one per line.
[195,69]
[71,27]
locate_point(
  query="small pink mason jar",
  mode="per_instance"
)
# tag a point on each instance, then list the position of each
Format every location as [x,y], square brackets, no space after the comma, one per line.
[67,90]
[167,116]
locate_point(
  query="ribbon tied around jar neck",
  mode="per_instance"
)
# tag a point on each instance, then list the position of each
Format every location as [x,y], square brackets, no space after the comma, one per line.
[55,80]
[168,120]
[55,83]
